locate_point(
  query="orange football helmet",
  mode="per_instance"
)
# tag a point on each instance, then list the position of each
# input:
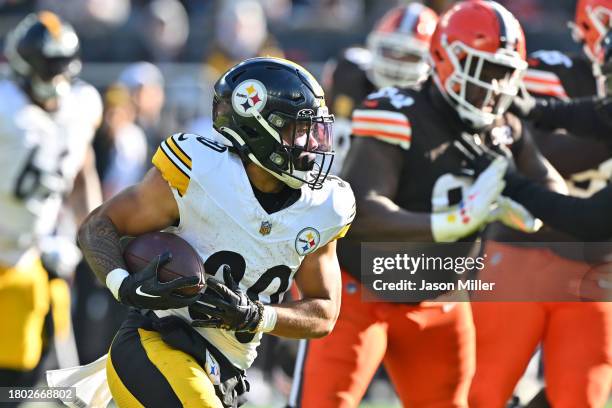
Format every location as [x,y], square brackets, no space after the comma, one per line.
[478,57]
[591,24]
[399,44]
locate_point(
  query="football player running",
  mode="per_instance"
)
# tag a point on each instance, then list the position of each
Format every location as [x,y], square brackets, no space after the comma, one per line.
[47,122]
[261,213]
[574,336]
[396,55]
[414,190]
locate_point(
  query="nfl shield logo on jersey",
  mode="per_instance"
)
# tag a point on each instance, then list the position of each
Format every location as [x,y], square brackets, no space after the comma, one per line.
[307,241]
[265,228]
[212,369]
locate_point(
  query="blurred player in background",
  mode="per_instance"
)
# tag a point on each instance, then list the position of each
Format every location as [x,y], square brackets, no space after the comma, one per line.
[574,336]
[121,143]
[553,74]
[409,184]
[145,84]
[395,56]
[47,122]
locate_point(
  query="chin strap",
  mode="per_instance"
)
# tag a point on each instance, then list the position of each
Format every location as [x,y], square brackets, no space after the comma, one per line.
[245,154]
[238,143]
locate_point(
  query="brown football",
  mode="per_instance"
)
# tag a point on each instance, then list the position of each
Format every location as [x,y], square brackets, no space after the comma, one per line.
[185,260]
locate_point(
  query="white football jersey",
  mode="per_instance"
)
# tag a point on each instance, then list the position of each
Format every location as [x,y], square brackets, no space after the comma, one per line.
[40,155]
[221,218]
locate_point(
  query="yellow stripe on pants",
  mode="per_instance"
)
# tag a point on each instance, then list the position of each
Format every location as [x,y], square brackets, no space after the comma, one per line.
[186,377]
[121,395]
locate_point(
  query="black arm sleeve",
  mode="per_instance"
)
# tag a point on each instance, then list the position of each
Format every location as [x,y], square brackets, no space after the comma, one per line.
[589,118]
[588,219]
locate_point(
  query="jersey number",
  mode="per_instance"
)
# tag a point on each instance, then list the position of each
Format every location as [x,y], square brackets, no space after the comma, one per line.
[553,58]
[237,264]
[397,99]
[38,184]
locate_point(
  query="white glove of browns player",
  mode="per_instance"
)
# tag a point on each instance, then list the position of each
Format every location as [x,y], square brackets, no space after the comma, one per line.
[473,211]
[514,215]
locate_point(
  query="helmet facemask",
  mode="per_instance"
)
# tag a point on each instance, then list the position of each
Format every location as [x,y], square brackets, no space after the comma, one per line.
[302,150]
[304,153]
[482,84]
[43,91]
[55,80]
[397,60]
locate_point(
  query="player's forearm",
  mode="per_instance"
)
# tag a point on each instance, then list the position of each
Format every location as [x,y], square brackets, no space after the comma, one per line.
[99,242]
[531,163]
[589,118]
[588,219]
[382,219]
[306,318]
[553,181]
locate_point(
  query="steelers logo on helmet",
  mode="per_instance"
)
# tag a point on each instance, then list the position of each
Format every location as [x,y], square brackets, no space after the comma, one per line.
[249,94]
[307,241]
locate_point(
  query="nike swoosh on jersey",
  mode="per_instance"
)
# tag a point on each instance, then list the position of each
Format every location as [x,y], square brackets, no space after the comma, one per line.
[141,293]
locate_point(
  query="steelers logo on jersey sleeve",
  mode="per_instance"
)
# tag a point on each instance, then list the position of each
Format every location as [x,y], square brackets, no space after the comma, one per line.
[249,94]
[307,241]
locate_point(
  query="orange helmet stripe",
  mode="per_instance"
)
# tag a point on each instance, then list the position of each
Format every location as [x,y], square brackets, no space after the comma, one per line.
[52,22]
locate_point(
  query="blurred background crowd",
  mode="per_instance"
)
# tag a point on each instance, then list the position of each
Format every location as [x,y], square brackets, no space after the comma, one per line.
[154,62]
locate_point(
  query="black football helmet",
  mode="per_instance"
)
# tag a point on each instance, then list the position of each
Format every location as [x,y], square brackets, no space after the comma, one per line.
[43,53]
[273,112]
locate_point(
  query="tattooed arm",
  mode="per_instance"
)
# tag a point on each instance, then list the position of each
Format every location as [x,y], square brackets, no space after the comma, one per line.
[148,206]
[99,242]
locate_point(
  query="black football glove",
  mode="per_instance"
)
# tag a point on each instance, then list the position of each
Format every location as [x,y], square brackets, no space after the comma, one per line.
[143,289]
[226,306]
[477,156]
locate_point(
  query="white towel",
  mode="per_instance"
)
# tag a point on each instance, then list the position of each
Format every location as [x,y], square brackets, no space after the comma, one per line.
[89,380]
